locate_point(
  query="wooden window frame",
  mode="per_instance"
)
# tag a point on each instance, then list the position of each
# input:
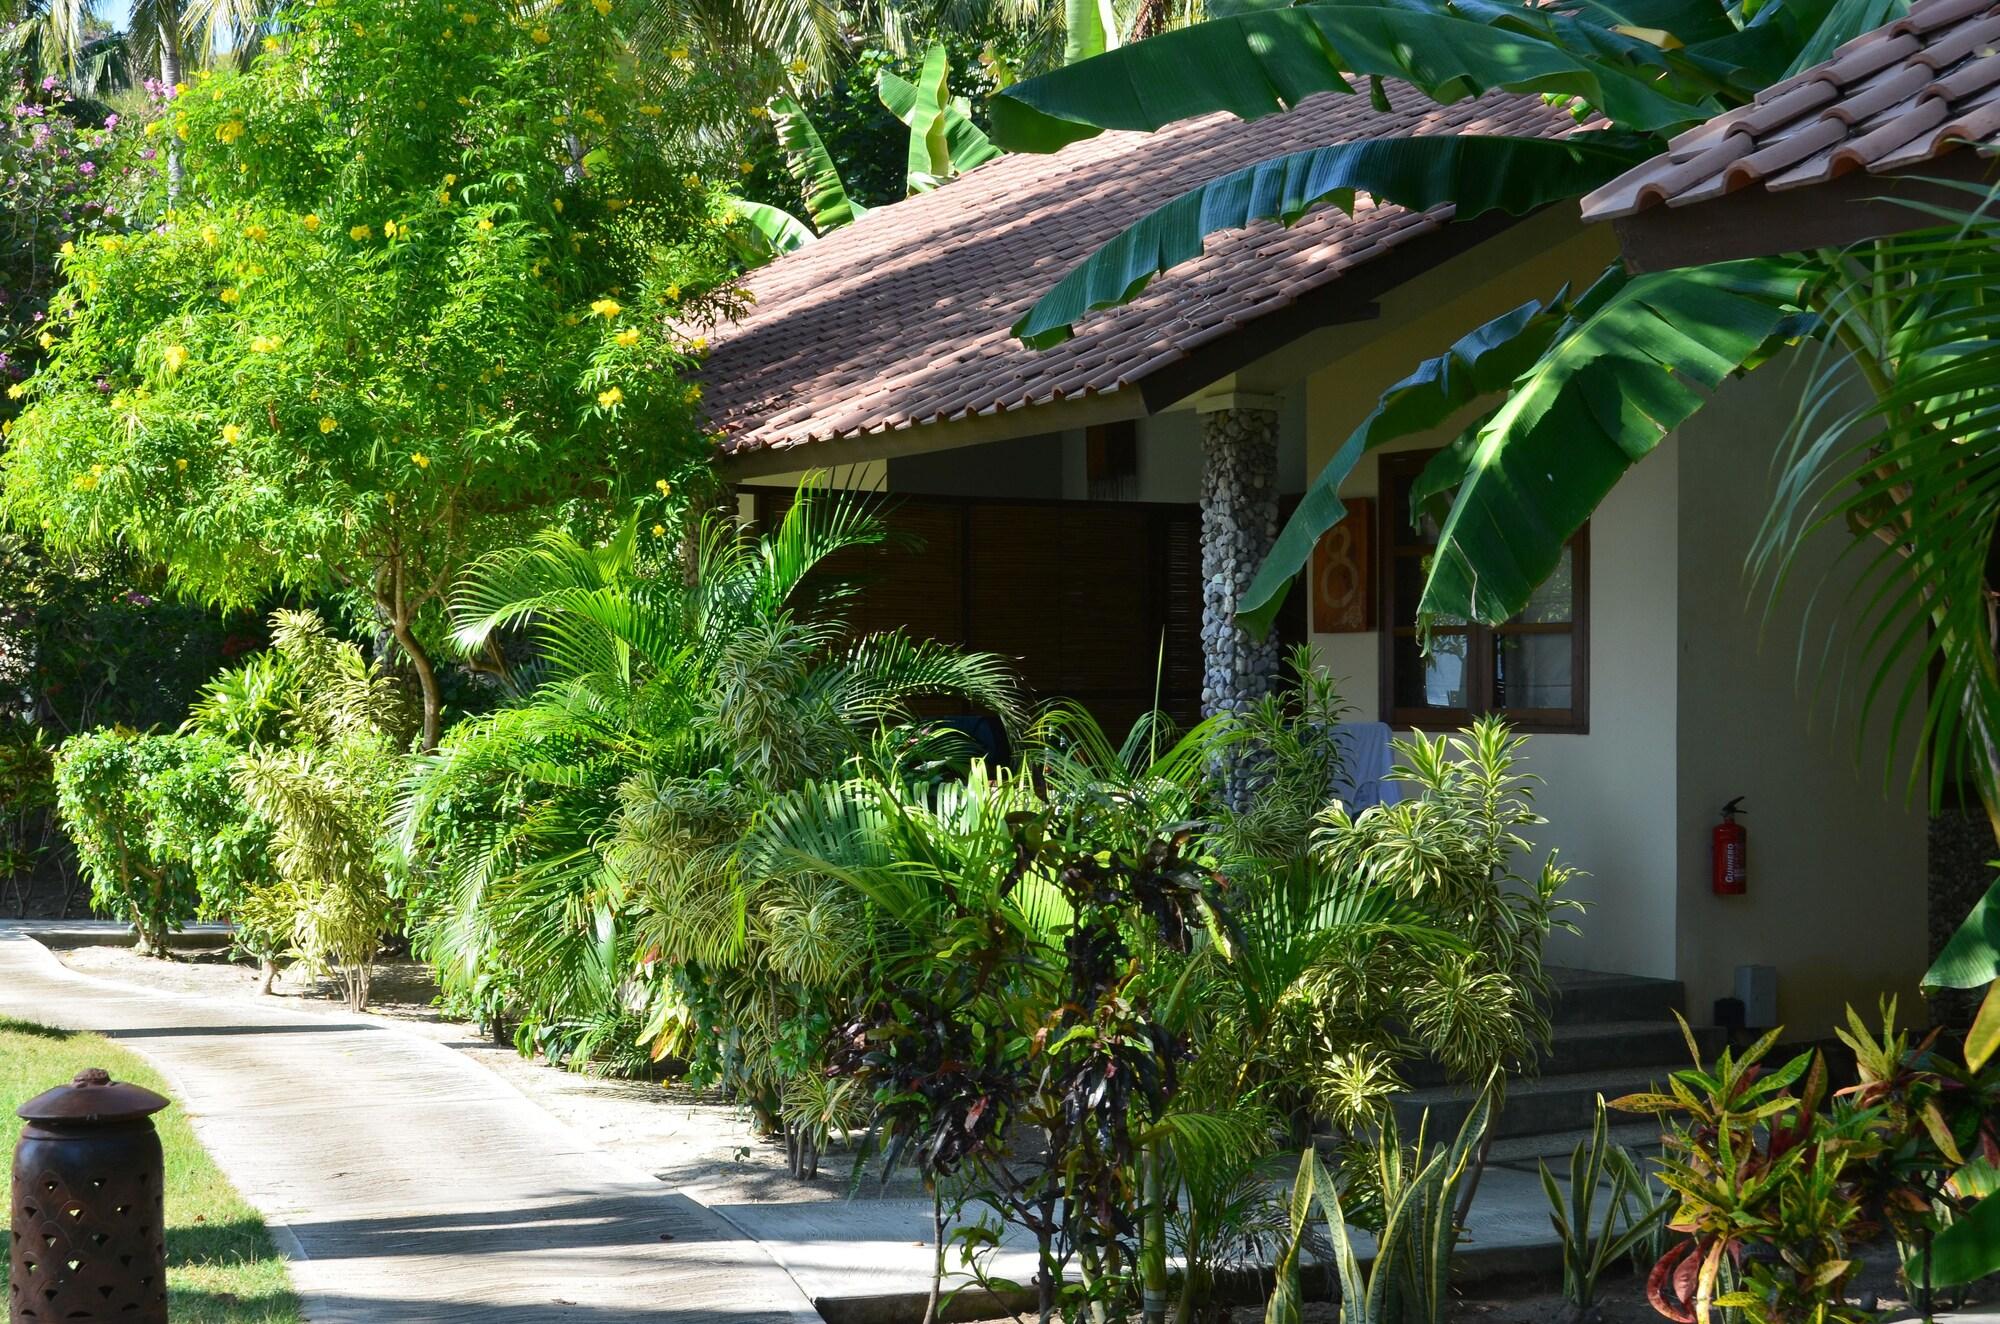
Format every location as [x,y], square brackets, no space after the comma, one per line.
[1391,527]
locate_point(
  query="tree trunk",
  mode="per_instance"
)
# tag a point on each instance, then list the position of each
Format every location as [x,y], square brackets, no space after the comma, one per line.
[267,975]
[170,74]
[1153,1237]
[427,681]
[937,1253]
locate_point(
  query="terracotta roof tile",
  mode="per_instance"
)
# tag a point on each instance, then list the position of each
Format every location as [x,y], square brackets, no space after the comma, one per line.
[1894,97]
[902,318]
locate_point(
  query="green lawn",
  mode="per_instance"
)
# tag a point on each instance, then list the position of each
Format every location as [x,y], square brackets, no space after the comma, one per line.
[222,1267]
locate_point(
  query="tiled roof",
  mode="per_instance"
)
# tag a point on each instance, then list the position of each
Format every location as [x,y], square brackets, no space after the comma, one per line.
[902,318]
[1892,98]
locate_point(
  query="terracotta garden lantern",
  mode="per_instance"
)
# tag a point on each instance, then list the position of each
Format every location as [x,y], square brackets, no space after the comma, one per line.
[89,1219]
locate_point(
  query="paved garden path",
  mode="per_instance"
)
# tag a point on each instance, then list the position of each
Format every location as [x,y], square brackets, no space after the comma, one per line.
[419,1186]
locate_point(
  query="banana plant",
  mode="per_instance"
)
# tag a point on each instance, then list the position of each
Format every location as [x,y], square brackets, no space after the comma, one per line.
[944,144]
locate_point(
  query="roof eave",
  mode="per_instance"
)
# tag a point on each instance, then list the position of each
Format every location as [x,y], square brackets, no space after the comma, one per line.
[1354,297]
[1761,222]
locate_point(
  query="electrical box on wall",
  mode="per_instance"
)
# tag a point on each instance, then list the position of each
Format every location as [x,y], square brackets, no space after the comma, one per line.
[1757,990]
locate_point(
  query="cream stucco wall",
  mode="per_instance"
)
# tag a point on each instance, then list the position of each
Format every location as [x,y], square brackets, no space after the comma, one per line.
[1837,860]
[1609,795]
[1687,708]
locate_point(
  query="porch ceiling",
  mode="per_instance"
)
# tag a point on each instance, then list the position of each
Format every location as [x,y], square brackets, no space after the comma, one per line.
[898,325]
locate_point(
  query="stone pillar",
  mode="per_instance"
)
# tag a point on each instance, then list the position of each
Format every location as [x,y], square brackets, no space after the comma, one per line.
[1239,522]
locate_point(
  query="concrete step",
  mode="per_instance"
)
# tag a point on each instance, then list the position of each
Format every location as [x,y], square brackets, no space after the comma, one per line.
[1601,1046]
[1588,997]
[1551,1104]
[1641,1136]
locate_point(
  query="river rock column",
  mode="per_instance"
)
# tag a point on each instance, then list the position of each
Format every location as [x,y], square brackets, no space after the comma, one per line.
[1239,522]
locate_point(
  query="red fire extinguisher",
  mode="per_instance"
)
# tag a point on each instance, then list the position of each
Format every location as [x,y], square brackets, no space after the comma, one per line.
[1732,866]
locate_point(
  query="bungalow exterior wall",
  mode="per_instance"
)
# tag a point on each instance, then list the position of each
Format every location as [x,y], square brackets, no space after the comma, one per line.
[1694,697]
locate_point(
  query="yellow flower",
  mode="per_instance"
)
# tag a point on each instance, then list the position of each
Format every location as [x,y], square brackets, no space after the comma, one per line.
[152,127]
[210,236]
[594,115]
[359,232]
[559,120]
[541,36]
[444,197]
[328,424]
[798,67]
[231,434]
[16,391]
[659,530]
[603,7]
[176,357]
[310,221]
[485,224]
[649,109]
[606,307]
[628,337]
[610,398]
[229,295]
[180,465]
[666,488]
[759,112]
[68,249]
[449,180]
[254,232]
[468,18]
[264,344]
[673,290]
[699,344]
[692,394]
[112,243]
[270,43]
[558,206]
[388,229]
[45,340]
[229,130]
[86,482]
[744,167]
[692,181]
[421,460]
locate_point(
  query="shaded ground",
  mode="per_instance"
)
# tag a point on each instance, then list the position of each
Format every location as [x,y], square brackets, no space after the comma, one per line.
[692,1140]
[421,1189]
[222,1266]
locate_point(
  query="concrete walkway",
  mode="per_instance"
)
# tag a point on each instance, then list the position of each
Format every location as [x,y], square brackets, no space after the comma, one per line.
[418,1186]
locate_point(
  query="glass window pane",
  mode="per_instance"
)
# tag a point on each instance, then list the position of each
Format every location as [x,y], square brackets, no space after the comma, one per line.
[1532,670]
[1433,681]
[1554,601]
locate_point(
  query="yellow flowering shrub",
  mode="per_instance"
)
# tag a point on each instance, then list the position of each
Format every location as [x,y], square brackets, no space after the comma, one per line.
[278,399]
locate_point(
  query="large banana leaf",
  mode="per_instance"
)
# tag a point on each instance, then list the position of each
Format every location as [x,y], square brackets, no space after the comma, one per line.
[943,139]
[1481,362]
[827,202]
[1091,29]
[1630,366]
[777,230]
[1265,61]
[1477,174]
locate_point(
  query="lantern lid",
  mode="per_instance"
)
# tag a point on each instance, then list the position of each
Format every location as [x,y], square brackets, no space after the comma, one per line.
[92,1097]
